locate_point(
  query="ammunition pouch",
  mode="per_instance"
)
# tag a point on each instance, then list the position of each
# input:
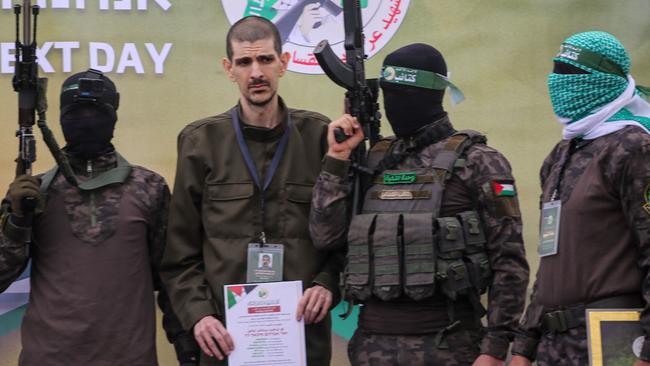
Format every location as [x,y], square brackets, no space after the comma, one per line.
[391,254]
[386,253]
[356,275]
[419,256]
[400,245]
[452,274]
[476,257]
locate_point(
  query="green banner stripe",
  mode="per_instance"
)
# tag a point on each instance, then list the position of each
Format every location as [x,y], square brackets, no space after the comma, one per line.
[10,321]
[344,328]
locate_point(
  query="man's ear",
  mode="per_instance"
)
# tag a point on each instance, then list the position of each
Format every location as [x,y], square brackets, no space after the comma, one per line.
[227,66]
[284,60]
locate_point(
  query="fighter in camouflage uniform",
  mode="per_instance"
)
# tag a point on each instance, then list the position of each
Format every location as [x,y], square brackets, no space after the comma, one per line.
[95,248]
[440,225]
[599,177]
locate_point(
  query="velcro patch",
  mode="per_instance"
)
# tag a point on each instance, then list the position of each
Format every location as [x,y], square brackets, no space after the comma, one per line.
[507,206]
[399,178]
[504,188]
[395,194]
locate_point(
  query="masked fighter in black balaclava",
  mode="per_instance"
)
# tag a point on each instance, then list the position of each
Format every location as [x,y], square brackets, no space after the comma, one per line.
[440,225]
[95,247]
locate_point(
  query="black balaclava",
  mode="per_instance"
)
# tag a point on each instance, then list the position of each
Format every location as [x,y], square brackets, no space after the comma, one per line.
[89,102]
[410,108]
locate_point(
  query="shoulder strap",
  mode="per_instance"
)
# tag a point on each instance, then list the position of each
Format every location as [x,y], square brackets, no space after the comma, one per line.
[455,147]
[47,179]
[378,151]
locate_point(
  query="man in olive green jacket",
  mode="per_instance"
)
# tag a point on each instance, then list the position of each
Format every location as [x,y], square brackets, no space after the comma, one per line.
[243,177]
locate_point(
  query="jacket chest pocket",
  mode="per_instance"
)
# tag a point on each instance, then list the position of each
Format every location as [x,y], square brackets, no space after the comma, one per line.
[228,209]
[296,208]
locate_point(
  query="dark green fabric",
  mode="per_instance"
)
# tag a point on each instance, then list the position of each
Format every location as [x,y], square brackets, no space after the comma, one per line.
[215,213]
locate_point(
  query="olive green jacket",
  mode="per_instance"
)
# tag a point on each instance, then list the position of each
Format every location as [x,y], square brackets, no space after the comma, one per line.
[215,213]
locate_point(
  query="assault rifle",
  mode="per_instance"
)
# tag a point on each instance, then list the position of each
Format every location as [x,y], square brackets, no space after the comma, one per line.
[361,94]
[32,99]
[289,20]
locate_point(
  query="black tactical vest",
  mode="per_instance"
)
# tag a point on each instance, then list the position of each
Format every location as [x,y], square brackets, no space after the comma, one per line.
[400,244]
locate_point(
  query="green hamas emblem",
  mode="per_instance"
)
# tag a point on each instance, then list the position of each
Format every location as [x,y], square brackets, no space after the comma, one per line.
[399,178]
[646,206]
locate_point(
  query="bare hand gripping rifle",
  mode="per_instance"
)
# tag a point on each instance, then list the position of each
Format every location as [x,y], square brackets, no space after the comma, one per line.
[361,94]
[32,99]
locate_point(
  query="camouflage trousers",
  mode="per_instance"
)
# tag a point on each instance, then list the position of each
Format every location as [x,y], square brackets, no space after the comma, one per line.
[368,349]
[563,349]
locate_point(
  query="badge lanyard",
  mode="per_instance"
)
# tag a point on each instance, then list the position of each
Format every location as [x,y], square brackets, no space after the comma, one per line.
[250,164]
[574,146]
[551,210]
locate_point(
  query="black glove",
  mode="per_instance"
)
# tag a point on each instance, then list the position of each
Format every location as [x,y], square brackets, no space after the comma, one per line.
[188,352]
[24,187]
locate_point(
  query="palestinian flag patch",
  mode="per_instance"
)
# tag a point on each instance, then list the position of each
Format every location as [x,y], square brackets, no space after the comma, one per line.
[504,188]
[646,194]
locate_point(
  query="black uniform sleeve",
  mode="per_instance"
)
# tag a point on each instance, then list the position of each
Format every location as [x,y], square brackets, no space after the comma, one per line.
[187,350]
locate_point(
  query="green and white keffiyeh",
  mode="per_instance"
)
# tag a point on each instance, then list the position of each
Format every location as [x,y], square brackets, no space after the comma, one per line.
[603,101]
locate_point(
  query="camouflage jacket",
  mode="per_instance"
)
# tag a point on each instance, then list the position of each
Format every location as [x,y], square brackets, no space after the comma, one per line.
[93,219]
[330,217]
[604,240]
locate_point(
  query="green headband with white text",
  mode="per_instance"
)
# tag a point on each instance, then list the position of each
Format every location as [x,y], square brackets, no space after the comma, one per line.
[420,79]
[589,59]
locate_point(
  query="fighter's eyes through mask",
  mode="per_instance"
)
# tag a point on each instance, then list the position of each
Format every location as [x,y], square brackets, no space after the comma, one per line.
[589,59]
[81,112]
[564,68]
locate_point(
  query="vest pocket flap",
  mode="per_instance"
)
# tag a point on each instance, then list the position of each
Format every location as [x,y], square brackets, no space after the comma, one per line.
[418,229]
[472,229]
[360,229]
[357,273]
[230,191]
[480,271]
[299,193]
[386,259]
[450,235]
[419,256]
[386,230]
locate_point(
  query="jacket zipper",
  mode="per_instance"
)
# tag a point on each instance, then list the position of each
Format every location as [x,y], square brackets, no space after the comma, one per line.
[93,209]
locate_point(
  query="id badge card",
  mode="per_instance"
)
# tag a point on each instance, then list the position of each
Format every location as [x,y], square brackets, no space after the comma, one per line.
[549,231]
[265,263]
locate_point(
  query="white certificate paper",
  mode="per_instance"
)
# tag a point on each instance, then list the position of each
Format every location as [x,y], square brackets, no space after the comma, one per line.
[261,319]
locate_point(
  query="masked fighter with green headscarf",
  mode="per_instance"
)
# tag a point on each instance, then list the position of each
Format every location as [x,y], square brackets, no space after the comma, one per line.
[595,227]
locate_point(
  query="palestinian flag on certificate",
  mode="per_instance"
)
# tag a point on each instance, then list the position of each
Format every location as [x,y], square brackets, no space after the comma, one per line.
[504,188]
[237,293]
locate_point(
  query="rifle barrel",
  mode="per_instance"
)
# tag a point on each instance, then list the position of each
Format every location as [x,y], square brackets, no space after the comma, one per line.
[27,22]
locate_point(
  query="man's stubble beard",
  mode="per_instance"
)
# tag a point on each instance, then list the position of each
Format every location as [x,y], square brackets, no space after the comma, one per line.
[262,103]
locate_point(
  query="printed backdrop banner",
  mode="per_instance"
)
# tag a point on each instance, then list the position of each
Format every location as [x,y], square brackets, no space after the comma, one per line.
[165,57]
